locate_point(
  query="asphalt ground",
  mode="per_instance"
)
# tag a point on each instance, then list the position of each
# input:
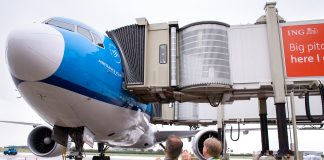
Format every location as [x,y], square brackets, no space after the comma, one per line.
[30,156]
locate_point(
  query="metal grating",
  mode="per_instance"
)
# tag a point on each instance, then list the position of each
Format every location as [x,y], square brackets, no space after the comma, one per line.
[130,41]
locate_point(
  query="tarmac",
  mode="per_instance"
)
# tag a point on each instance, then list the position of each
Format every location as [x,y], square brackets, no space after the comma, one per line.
[30,156]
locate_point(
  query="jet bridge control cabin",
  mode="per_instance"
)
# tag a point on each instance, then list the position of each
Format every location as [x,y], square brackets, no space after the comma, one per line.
[213,62]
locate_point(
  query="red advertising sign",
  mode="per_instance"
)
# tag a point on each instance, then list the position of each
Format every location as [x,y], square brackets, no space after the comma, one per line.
[304,50]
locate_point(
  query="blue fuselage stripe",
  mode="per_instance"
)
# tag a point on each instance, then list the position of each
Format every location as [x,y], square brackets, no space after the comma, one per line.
[57,81]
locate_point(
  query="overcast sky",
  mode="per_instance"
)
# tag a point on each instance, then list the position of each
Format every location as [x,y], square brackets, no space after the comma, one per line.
[107,15]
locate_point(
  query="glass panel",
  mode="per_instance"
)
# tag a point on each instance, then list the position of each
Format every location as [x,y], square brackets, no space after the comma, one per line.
[85,33]
[97,40]
[163,54]
[60,24]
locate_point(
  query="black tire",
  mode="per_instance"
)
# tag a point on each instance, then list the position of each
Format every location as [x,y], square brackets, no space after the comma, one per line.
[78,158]
[100,158]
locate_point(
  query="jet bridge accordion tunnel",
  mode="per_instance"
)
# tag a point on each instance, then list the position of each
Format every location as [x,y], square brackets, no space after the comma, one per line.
[205,62]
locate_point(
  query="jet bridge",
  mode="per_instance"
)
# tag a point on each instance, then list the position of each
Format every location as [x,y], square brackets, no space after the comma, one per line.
[164,63]
[216,63]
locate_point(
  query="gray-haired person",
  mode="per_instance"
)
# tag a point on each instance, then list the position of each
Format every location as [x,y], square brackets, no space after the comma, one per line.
[212,148]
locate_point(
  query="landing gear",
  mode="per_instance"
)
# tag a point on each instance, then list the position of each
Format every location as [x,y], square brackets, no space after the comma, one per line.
[101,149]
[77,135]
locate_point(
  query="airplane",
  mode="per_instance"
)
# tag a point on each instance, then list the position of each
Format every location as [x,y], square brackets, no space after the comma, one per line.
[72,76]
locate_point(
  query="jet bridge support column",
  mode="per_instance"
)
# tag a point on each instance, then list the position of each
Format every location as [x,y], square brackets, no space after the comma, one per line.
[277,76]
[264,124]
[220,126]
[293,112]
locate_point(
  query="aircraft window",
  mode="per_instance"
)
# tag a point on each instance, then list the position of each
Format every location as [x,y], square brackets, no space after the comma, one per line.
[85,33]
[98,40]
[60,24]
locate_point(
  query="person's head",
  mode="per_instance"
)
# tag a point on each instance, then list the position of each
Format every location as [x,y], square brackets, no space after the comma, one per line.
[212,148]
[173,147]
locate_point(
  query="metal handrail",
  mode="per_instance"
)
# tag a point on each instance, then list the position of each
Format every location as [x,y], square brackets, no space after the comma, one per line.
[307,106]
[238,134]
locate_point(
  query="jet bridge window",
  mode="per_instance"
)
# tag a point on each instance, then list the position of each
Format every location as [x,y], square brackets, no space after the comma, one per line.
[98,40]
[85,33]
[61,24]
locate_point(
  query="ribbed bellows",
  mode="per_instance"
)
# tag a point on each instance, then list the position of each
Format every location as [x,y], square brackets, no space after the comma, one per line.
[130,41]
[204,54]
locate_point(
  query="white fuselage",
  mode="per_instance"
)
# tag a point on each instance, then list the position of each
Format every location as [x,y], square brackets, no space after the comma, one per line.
[109,123]
[35,53]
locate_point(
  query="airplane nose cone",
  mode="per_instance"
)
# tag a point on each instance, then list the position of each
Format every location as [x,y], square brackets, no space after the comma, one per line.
[34,52]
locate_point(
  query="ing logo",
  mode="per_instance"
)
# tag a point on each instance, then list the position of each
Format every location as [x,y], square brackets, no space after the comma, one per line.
[310,31]
[302,32]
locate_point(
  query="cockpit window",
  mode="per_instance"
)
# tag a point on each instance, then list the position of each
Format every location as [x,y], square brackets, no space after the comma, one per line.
[85,33]
[98,40]
[74,26]
[61,24]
